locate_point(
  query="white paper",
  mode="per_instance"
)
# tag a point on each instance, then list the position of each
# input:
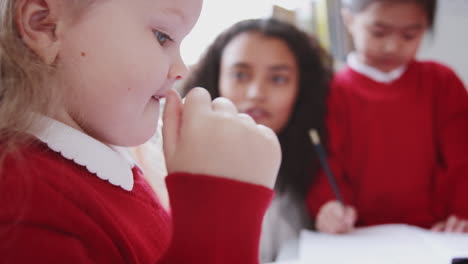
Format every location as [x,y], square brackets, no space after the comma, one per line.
[385,244]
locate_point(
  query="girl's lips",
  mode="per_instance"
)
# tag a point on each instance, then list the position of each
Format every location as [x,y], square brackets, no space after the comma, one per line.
[257,113]
[157,97]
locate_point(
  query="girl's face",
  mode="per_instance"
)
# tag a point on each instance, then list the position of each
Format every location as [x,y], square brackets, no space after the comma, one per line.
[116,62]
[387,35]
[260,75]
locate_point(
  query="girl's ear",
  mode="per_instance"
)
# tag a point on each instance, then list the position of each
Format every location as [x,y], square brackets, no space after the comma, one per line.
[37,22]
[348,18]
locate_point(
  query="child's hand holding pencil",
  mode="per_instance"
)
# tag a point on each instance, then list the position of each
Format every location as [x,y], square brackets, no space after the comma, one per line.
[334,216]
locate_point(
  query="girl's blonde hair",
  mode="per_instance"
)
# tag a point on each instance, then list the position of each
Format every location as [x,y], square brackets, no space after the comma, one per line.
[25,83]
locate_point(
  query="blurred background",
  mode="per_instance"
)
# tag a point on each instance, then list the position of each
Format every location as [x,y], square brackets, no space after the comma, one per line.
[448,43]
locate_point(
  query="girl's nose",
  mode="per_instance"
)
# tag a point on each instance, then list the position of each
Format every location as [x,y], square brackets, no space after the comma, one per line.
[178,70]
[256,91]
[392,46]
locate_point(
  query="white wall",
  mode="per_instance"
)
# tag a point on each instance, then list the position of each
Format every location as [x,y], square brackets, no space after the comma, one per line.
[450,42]
[215,17]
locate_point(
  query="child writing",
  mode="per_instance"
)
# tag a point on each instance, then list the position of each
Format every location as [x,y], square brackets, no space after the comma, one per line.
[78,79]
[276,74]
[398,127]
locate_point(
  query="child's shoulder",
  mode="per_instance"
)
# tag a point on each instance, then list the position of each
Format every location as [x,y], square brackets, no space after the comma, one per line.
[28,181]
[32,158]
[37,178]
[437,75]
[346,79]
[38,171]
[431,66]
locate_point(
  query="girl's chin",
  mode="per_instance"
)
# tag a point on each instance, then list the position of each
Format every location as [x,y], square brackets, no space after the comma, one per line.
[139,133]
[138,138]
[389,66]
[262,119]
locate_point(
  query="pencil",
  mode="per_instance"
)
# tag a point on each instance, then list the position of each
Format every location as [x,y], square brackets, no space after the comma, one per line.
[314,137]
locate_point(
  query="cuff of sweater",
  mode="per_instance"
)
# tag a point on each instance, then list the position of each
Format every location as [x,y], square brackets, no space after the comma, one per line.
[218,217]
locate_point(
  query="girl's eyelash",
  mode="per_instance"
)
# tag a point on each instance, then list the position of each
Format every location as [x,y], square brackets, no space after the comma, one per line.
[280,79]
[160,35]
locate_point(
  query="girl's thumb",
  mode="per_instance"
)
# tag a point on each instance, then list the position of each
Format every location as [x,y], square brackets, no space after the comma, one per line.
[172,119]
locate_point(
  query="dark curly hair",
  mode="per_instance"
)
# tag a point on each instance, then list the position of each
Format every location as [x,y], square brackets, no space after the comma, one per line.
[299,159]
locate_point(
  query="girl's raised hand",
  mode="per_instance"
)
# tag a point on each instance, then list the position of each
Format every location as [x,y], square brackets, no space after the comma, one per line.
[210,137]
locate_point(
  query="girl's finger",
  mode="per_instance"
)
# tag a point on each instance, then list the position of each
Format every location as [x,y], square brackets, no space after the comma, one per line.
[197,100]
[172,118]
[460,226]
[350,216]
[439,227]
[222,104]
[450,225]
[246,119]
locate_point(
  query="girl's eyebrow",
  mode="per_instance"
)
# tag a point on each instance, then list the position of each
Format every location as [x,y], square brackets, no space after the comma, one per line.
[414,27]
[240,65]
[175,12]
[277,67]
[381,24]
[280,67]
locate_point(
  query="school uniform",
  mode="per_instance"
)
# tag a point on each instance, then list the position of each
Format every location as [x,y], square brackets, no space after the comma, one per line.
[68,198]
[398,144]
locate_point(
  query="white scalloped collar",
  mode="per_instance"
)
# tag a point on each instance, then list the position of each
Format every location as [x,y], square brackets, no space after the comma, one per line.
[110,163]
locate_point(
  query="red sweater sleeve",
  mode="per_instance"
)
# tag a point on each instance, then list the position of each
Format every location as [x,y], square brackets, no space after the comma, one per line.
[452,133]
[215,220]
[337,124]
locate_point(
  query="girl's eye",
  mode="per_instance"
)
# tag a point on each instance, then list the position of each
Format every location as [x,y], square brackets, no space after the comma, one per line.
[377,31]
[162,38]
[279,79]
[411,35]
[378,34]
[239,76]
